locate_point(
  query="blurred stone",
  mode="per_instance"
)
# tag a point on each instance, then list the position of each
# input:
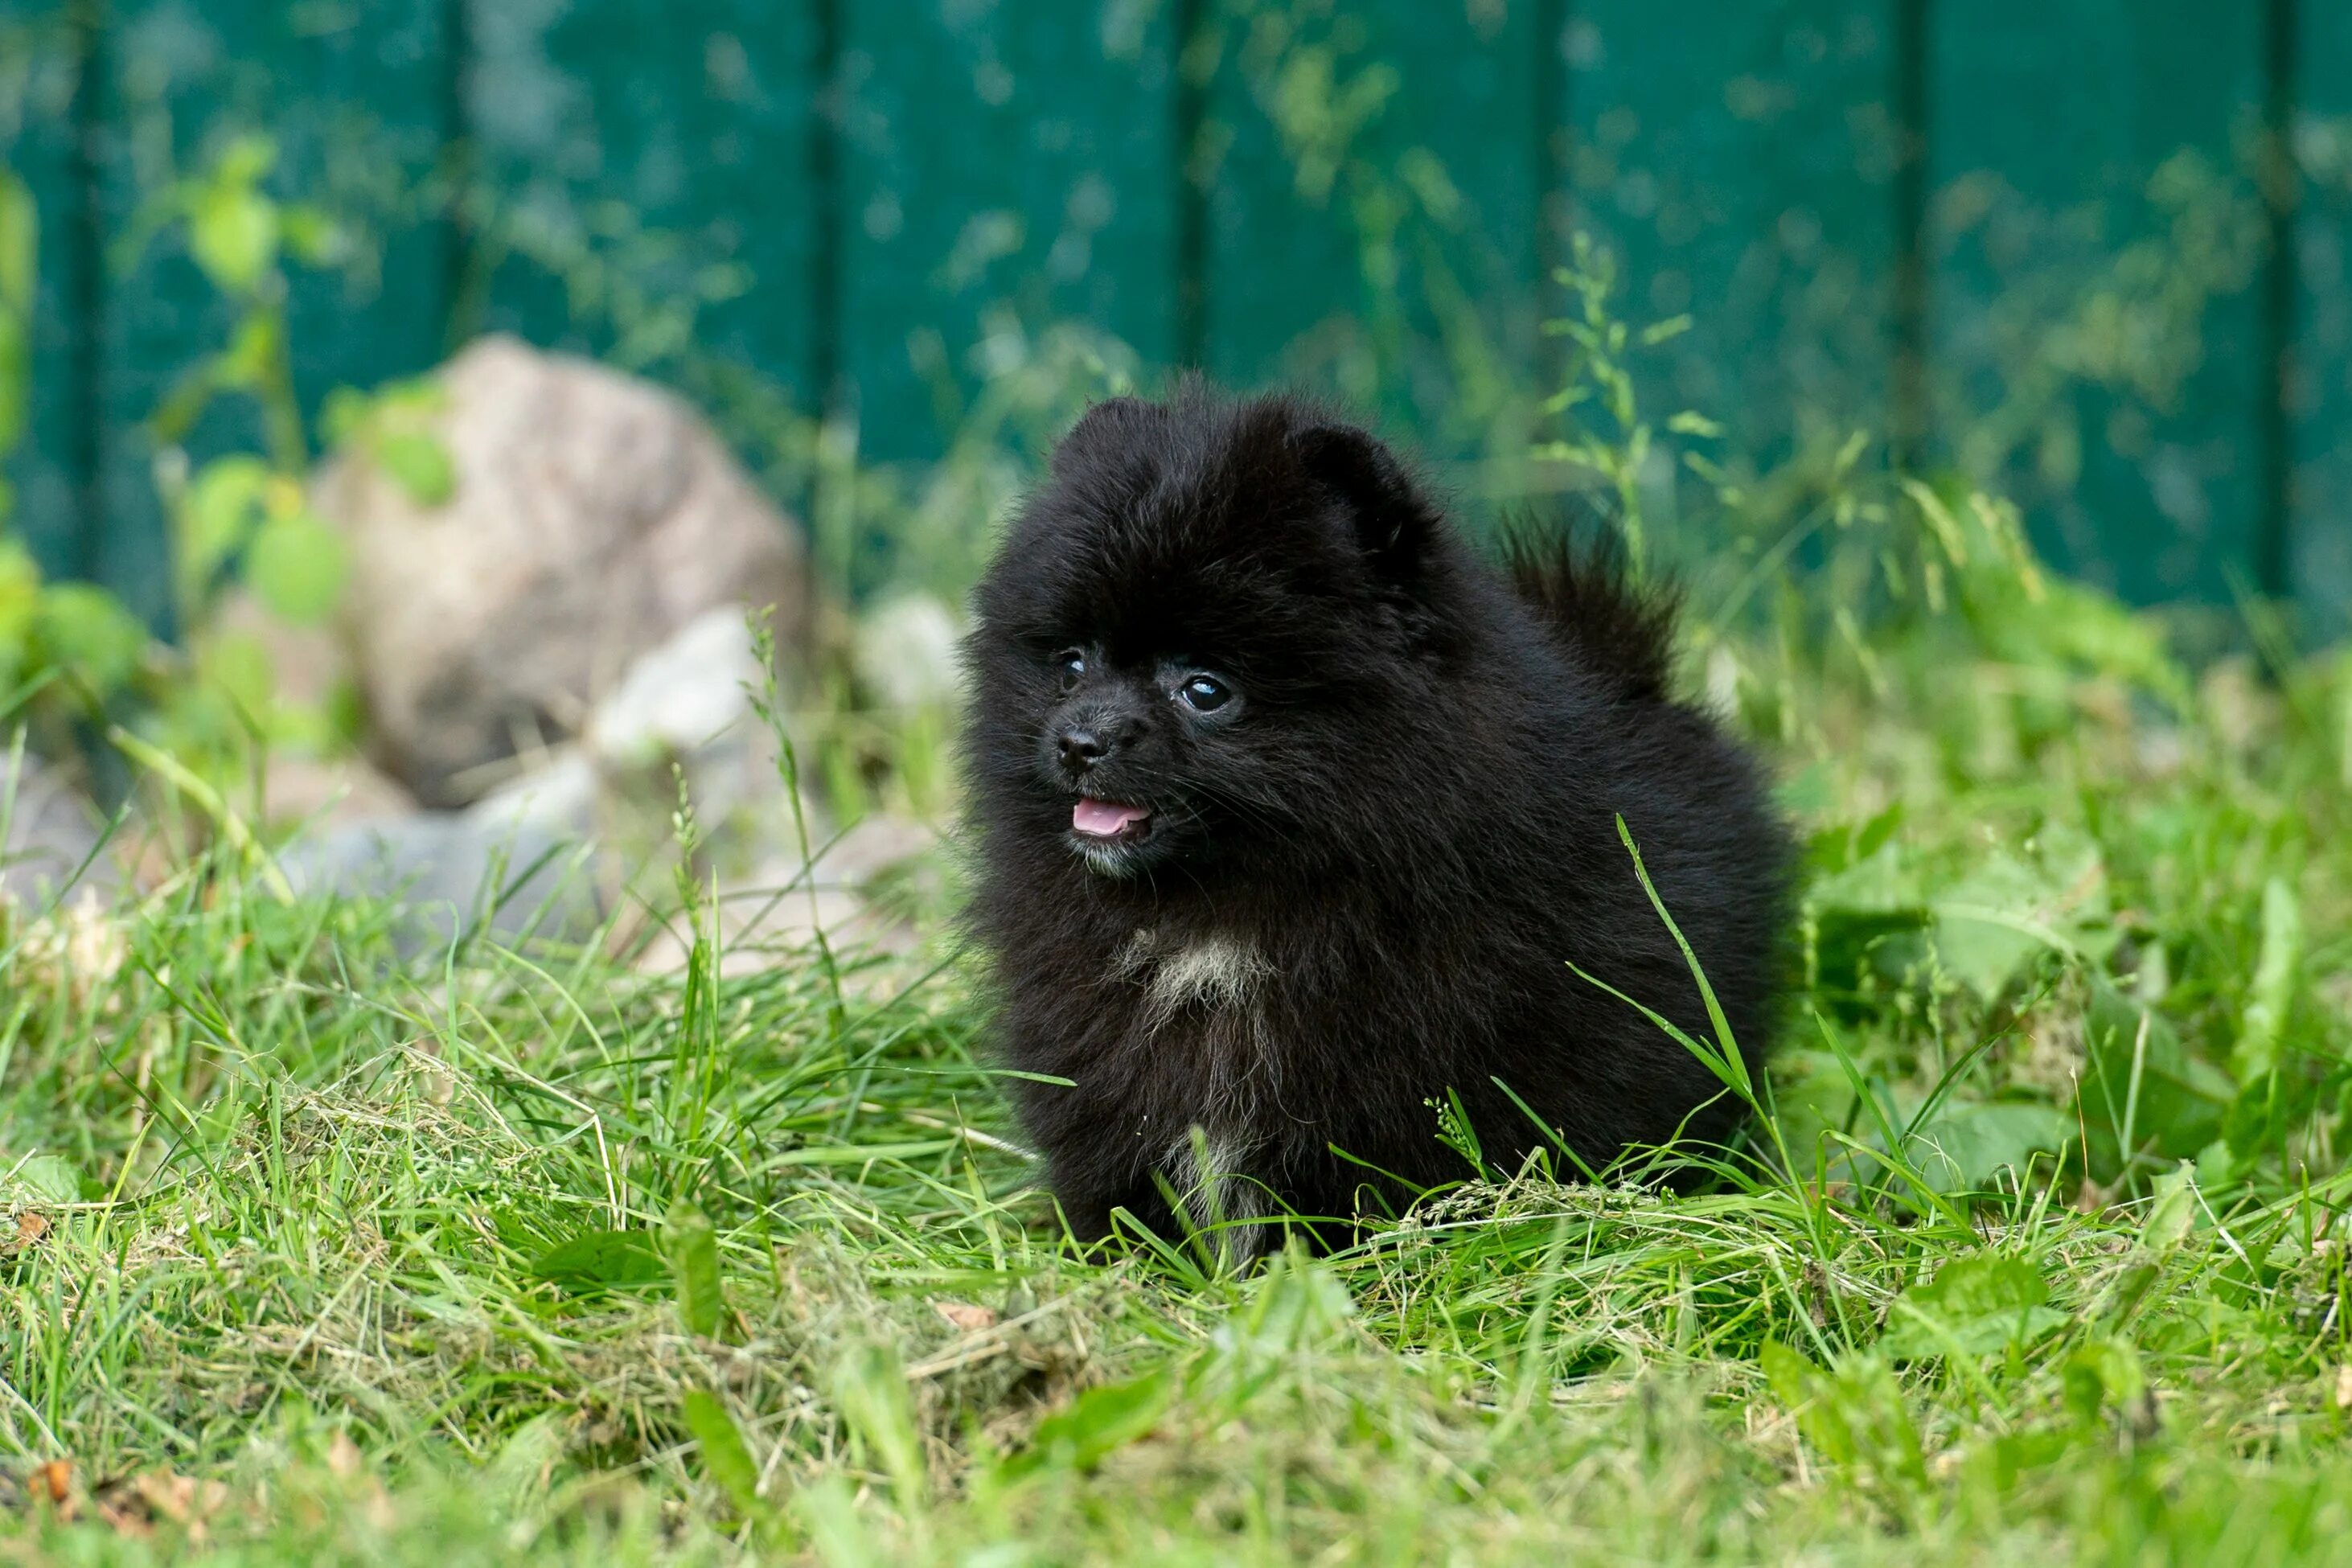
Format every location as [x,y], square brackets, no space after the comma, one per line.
[687,705]
[519,863]
[548,853]
[876,846]
[905,652]
[684,695]
[553,854]
[594,517]
[772,910]
[51,830]
[330,793]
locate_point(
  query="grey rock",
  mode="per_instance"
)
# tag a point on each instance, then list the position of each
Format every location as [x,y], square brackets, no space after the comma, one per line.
[685,705]
[685,712]
[518,864]
[905,652]
[770,911]
[686,694]
[555,852]
[594,517]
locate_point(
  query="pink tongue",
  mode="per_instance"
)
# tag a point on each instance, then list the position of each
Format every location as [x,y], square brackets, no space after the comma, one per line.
[1104,819]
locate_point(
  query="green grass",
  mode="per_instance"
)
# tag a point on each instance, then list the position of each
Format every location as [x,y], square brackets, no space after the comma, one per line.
[311,1256]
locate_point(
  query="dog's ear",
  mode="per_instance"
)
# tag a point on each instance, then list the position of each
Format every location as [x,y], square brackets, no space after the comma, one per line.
[1113,425]
[1394,519]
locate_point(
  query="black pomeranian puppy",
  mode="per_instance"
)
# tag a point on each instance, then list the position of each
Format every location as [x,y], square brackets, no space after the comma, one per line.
[1292,816]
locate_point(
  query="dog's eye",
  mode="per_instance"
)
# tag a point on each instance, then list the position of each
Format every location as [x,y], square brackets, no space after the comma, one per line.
[1205,693]
[1074,665]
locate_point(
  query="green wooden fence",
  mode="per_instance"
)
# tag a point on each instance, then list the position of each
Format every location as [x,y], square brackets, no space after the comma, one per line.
[2096,245]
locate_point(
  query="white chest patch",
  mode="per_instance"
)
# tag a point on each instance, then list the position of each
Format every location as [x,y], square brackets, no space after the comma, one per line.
[1216,972]
[1221,1203]
[1204,998]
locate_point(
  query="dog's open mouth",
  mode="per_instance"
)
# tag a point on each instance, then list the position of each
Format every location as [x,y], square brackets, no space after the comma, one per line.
[1109,820]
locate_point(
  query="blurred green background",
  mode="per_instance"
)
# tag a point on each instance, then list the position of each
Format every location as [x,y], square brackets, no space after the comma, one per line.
[2088,252]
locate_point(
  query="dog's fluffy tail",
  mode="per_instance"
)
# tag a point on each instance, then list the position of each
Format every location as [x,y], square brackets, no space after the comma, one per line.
[1584,592]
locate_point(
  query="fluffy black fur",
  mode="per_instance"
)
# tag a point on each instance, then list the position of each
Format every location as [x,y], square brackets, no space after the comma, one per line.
[1382,776]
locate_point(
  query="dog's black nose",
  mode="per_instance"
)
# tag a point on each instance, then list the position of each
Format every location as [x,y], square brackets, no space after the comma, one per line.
[1093,738]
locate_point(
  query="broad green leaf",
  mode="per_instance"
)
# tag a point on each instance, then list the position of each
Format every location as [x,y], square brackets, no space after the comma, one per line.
[16,381]
[602,1260]
[298,565]
[2010,908]
[2003,1459]
[1098,1423]
[48,1178]
[2170,1219]
[86,629]
[1980,1286]
[2268,999]
[311,234]
[420,465]
[2139,1077]
[1973,1305]
[1966,1147]
[520,1467]
[19,252]
[827,1510]
[2174,1211]
[725,1457]
[869,1388]
[2102,634]
[246,159]
[232,234]
[1809,793]
[2102,1373]
[1852,1414]
[415,395]
[1876,881]
[20,239]
[1803,1390]
[251,358]
[1982,945]
[342,413]
[20,599]
[221,506]
[237,666]
[690,1246]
